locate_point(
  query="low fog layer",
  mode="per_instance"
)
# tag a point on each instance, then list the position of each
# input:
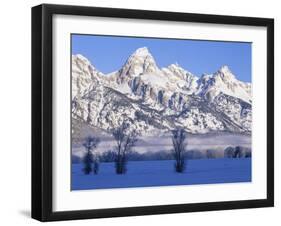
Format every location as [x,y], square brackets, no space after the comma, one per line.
[150,144]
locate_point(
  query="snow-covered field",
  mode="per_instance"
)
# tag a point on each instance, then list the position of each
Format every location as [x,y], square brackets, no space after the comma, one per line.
[161,173]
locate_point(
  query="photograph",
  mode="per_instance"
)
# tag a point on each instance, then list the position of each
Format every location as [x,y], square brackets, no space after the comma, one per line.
[159,112]
[140,112]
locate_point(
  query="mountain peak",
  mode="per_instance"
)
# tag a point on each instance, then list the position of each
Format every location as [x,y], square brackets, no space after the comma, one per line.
[176,68]
[174,65]
[225,73]
[143,51]
[179,70]
[81,58]
[140,62]
[225,69]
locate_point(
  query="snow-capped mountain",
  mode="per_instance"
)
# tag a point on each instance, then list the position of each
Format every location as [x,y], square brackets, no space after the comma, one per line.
[155,100]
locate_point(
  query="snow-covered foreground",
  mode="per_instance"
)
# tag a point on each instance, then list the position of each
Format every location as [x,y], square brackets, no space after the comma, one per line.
[161,173]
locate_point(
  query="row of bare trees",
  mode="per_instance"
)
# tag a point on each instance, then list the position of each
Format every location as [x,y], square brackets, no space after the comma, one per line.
[125,140]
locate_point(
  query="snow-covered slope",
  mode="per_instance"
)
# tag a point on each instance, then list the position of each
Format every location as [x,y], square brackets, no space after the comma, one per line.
[155,100]
[224,81]
[84,75]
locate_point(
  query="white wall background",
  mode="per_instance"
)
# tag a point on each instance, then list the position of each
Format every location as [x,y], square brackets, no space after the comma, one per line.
[15,113]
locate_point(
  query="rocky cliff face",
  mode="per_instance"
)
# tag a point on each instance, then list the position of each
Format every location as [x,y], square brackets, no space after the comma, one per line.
[155,100]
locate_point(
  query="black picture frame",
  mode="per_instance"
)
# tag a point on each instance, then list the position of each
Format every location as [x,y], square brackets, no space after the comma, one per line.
[42,107]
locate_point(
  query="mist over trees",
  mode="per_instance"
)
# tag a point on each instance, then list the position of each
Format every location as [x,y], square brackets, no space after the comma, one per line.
[125,140]
[109,156]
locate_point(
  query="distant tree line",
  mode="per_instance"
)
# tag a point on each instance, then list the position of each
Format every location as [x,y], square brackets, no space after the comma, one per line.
[237,152]
[109,156]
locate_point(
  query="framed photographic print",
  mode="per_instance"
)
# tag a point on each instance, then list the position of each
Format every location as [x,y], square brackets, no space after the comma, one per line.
[146,112]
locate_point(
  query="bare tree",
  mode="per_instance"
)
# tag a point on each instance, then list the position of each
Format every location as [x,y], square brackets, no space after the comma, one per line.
[90,143]
[125,140]
[179,149]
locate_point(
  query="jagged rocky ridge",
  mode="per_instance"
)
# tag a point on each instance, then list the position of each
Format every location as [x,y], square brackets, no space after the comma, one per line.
[155,100]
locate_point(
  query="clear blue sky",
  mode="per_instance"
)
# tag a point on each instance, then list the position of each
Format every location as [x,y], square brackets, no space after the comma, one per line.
[109,53]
